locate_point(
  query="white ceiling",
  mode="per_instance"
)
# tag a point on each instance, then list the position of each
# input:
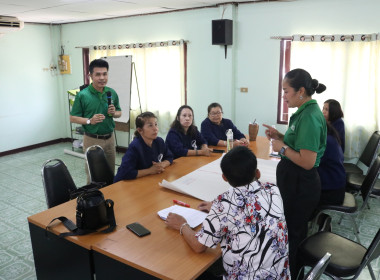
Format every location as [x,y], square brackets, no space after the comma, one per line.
[65,11]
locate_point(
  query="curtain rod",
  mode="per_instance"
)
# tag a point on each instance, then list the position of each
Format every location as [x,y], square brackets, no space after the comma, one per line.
[326,36]
[88,47]
[281,37]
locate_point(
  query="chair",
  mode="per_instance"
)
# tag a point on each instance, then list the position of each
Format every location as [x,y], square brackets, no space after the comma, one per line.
[348,258]
[349,206]
[355,180]
[57,182]
[316,272]
[98,167]
[376,190]
[368,155]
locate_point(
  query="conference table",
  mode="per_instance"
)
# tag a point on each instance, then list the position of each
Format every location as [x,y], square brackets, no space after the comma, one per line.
[163,254]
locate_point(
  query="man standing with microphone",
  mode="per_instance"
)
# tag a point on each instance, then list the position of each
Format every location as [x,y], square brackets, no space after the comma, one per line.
[94,108]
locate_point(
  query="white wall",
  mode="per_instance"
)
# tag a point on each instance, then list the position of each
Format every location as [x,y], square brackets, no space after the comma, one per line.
[252,61]
[31,107]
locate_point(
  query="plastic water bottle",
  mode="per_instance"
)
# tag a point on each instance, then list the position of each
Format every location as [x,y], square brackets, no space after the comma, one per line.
[230,140]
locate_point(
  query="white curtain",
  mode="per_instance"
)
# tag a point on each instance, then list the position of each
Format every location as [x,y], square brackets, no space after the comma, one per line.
[350,68]
[160,72]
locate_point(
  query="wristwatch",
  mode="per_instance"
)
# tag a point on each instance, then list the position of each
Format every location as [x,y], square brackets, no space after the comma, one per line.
[88,121]
[282,151]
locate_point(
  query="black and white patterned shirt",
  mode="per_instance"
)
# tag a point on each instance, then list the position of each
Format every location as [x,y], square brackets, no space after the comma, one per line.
[249,223]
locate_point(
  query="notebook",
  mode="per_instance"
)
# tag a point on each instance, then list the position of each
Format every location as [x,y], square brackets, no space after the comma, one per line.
[193,217]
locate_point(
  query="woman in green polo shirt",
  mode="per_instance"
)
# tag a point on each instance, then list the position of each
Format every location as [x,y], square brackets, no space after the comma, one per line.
[301,149]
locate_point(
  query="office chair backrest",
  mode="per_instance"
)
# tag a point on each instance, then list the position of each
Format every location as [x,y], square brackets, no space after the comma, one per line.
[82,87]
[97,165]
[371,149]
[57,181]
[373,251]
[316,272]
[370,180]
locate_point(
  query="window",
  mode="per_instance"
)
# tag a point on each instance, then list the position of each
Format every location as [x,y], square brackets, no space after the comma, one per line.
[349,66]
[282,107]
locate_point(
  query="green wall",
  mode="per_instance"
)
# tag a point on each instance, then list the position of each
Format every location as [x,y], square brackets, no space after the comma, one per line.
[37,106]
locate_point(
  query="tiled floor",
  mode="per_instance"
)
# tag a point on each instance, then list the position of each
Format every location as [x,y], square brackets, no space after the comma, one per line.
[22,195]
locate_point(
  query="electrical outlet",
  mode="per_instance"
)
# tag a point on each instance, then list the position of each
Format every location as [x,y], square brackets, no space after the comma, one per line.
[244,89]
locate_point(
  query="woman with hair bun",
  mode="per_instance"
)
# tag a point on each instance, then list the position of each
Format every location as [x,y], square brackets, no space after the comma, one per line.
[301,149]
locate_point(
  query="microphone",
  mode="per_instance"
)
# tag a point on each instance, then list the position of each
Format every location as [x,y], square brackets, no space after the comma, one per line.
[109,99]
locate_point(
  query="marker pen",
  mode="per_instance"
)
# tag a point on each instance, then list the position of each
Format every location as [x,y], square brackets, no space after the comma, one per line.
[181,203]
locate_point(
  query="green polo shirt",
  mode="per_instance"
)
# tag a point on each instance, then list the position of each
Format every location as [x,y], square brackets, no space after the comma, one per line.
[307,130]
[89,102]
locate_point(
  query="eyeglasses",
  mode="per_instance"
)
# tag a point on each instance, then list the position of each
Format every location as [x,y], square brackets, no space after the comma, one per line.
[216,113]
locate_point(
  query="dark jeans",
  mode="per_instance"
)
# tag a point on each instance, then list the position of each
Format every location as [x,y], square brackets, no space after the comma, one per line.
[300,190]
[214,272]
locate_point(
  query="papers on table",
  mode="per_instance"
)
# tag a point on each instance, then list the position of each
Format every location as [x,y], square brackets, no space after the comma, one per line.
[193,217]
[206,182]
[268,170]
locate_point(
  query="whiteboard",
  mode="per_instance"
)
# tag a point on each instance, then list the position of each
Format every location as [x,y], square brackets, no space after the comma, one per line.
[120,78]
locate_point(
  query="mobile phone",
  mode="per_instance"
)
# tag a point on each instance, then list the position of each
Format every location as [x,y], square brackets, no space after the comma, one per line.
[218,151]
[138,229]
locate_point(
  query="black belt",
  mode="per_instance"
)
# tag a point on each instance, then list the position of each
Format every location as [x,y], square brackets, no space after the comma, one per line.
[97,136]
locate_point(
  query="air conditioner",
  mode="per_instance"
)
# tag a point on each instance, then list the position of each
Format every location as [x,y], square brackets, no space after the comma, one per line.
[9,24]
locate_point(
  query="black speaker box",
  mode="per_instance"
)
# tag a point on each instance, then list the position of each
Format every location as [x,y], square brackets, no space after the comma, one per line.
[222,32]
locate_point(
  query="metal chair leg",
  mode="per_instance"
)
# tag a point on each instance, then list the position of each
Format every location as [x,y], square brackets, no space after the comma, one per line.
[371,272]
[340,220]
[355,228]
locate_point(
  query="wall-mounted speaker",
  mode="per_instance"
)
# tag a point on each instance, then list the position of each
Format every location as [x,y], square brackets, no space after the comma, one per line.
[222,32]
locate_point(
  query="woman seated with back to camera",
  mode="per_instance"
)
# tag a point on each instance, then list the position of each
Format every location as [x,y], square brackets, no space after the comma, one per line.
[183,138]
[214,128]
[333,114]
[331,170]
[147,154]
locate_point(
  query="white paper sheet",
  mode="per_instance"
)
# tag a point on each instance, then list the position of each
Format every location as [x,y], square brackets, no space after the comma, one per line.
[193,217]
[206,183]
[268,170]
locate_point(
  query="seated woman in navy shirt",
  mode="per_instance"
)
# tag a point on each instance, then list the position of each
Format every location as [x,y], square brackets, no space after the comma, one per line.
[147,154]
[183,138]
[331,170]
[333,114]
[215,126]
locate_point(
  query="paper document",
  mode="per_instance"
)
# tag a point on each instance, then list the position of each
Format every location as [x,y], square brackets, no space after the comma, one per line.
[268,170]
[206,182]
[193,217]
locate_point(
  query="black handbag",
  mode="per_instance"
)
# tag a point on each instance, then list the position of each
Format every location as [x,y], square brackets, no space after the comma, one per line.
[91,186]
[93,212]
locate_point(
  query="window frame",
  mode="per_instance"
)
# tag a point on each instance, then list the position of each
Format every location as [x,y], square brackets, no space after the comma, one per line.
[282,107]
[86,64]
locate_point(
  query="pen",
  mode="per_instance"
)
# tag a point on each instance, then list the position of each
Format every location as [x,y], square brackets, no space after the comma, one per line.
[160,157]
[181,203]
